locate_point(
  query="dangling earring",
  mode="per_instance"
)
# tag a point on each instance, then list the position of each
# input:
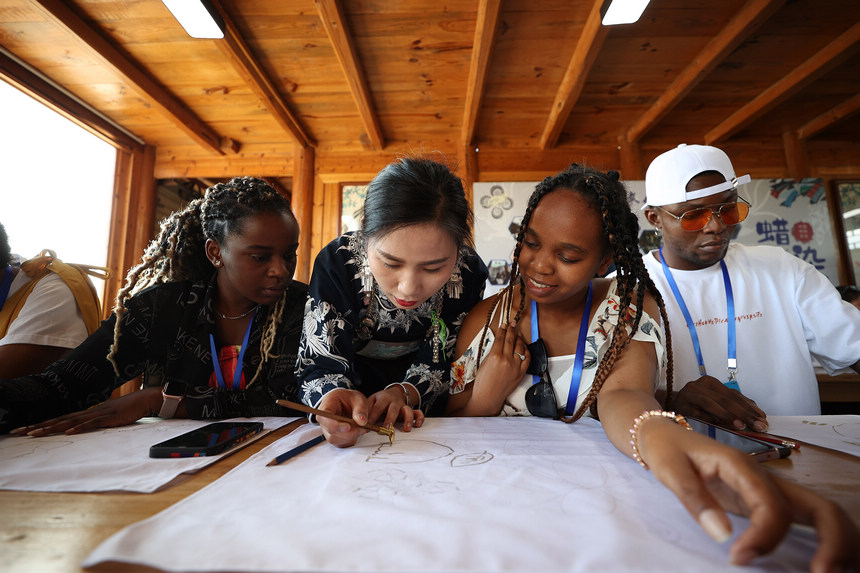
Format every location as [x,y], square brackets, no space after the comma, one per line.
[454,287]
[367,281]
[438,331]
[368,323]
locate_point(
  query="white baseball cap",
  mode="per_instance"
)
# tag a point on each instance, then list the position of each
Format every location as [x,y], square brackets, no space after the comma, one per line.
[667,176]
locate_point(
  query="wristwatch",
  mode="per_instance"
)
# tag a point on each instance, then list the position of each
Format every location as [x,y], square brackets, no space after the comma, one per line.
[173,392]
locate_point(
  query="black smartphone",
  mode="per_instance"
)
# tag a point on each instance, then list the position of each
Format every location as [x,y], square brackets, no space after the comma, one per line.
[208,440]
[758,449]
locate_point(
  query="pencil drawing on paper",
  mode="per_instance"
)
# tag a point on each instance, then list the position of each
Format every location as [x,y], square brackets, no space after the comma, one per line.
[849,431]
[14,447]
[420,451]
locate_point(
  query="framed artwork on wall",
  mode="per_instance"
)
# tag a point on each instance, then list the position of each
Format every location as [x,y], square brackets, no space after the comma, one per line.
[846,223]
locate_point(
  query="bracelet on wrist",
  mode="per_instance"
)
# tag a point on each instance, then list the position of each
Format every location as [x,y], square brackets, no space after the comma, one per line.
[637,424]
[407,393]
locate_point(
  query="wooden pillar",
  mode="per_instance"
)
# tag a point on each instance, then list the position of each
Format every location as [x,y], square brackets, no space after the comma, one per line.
[631,159]
[795,155]
[132,219]
[468,169]
[302,204]
[118,226]
[132,225]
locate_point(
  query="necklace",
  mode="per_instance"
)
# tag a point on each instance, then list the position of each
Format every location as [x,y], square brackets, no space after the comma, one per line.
[243,315]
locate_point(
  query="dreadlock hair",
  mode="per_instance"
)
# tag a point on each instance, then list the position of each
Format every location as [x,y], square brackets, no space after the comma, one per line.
[605,194]
[415,190]
[5,249]
[179,254]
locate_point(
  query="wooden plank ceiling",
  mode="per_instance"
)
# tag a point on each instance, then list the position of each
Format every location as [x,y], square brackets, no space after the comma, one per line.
[532,84]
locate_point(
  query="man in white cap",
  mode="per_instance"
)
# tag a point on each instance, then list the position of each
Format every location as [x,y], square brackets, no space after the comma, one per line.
[745,321]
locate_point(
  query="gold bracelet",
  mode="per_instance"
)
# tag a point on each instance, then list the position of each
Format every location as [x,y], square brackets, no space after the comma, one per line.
[637,422]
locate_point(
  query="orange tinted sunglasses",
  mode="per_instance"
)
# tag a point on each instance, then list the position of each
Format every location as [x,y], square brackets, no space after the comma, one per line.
[697,219]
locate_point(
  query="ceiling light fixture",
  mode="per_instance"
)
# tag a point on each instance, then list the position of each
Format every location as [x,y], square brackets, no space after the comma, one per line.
[621,11]
[197,17]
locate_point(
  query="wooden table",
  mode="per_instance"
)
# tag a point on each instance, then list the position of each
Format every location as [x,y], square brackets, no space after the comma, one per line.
[54,532]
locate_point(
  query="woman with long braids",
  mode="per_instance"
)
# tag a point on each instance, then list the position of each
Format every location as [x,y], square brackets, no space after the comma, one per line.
[210,317]
[601,351]
[387,303]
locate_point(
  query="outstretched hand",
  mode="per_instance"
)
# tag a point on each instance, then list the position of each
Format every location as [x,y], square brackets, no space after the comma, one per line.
[710,479]
[710,400]
[109,414]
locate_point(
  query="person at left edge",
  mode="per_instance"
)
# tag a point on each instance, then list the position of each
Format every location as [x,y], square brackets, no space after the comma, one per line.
[211,317]
[386,303]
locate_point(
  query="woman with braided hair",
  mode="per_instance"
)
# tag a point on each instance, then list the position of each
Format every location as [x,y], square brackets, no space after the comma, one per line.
[598,349]
[387,303]
[210,317]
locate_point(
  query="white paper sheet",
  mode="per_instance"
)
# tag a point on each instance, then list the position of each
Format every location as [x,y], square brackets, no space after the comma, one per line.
[457,495]
[113,459]
[835,432]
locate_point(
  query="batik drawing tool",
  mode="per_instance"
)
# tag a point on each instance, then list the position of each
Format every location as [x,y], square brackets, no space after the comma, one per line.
[770,439]
[307,409]
[297,450]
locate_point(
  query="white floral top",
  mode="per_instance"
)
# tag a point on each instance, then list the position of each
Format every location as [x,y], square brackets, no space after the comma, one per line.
[464,369]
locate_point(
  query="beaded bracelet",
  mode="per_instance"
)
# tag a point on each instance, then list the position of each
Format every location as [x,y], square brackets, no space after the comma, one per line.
[637,422]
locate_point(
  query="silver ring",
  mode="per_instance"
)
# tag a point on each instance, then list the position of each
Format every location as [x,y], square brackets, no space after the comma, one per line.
[521,356]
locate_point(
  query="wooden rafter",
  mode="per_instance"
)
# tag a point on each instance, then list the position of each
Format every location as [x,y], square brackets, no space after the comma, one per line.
[331,14]
[590,42]
[799,77]
[482,51]
[59,13]
[44,90]
[750,17]
[829,117]
[234,47]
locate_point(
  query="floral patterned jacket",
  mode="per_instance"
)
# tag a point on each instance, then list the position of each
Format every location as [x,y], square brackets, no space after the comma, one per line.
[335,353]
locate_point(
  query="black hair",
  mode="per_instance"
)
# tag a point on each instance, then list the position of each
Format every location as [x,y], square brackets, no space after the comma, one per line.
[604,193]
[179,252]
[414,190]
[5,249]
[849,293]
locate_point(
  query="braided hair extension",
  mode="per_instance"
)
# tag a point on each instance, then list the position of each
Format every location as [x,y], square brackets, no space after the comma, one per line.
[607,196]
[179,253]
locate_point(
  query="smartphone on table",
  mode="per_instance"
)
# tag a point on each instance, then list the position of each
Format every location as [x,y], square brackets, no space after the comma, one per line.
[759,450]
[208,440]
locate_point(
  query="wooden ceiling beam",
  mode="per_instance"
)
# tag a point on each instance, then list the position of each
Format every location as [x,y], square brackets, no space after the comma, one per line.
[103,49]
[482,50]
[587,48]
[44,90]
[334,22]
[744,23]
[234,47]
[799,77]
[828,118]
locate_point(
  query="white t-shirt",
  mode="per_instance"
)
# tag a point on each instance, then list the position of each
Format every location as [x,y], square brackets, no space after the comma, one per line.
[50,316]
[786,312]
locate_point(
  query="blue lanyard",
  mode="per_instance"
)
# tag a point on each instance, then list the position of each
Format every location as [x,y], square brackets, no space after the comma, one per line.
[576,375]
[5,285]
[237,373]
[730,309]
